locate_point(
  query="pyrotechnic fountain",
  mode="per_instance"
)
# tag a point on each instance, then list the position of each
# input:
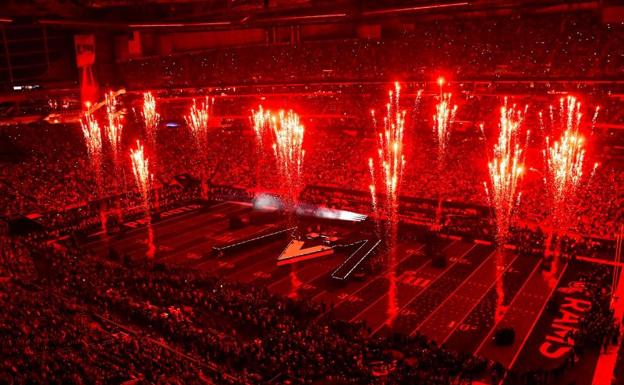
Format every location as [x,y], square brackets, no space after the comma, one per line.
[260,121]
[386,179]
[151,119]
[289,152]
[564,162]
[197,120]
[442,121]
[287,133]
[114,127]
[114,130]
[506,169]
[140,169]
[93,140]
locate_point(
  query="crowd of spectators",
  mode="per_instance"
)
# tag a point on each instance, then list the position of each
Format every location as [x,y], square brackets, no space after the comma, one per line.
[86,319]
[542,47]
[71,317]
[54,178]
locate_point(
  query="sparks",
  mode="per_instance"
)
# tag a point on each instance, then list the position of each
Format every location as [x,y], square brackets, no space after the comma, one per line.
[391,161]
[114,127]
[93,137]
[565,161]
[506,169]
[442,122]
[93,140]
[288,133]
[140,169]
[261,123]
[288,149]
[198,119]
[151,118]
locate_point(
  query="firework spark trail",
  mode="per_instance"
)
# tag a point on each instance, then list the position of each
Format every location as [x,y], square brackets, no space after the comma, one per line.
[140,169]
[261,123]
[197,120]
[114,127]
[506,169]
[371,168]
[442,122]
[93,140]
[150,116]
[391,161]
[390,165]
[564,162]
[151,119]
[289,154]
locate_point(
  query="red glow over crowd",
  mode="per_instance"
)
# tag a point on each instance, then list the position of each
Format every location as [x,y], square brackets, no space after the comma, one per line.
[425,130]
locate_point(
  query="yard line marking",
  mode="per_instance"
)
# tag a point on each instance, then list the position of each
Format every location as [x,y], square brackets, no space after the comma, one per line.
[369,282]
[487,337]
[479,301]
[453,292]
[430,283]
[161,225]
[201,224]
[385,294]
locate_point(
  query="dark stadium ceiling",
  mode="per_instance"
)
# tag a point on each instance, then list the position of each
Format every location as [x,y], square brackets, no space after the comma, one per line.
[246,13]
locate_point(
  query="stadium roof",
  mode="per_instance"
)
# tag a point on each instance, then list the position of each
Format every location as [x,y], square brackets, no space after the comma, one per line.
[246,13]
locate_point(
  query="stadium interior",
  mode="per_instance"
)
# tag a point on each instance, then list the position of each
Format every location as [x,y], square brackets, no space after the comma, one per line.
[312,192]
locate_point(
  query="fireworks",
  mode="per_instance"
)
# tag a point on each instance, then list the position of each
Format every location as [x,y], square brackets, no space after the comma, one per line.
[93,138]
[565,165]
[565,158]
[288,149]
[506,169]
[288,133]
[197,120]
[151,118]
[115,125]
[261,122]
[140,168]
[391,161]
[442,122]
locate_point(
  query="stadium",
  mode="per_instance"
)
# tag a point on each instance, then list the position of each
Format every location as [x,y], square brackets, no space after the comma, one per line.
[312,192]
